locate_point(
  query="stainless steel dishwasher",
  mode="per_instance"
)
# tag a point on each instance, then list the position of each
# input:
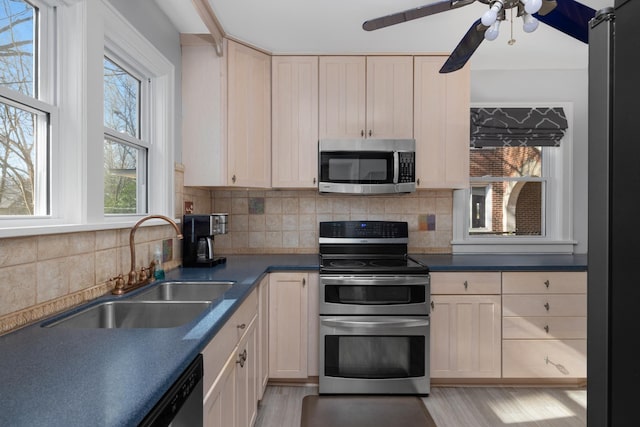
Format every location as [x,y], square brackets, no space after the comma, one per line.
[181,406]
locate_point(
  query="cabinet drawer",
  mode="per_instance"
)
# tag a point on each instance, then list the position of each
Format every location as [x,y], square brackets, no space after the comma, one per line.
[544,327]
[544,305]
[544,359]
[217,351]
[468,283]
[547,282]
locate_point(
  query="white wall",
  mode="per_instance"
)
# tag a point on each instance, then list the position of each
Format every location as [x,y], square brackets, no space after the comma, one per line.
[547,86]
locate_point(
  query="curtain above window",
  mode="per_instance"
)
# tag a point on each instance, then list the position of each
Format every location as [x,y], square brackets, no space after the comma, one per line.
[512,127]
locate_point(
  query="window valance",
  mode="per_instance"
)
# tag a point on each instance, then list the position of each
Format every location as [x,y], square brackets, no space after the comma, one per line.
[512,127]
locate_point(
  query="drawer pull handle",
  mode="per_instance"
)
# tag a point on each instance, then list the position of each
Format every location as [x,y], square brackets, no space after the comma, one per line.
[242,326]
[546,283]
[242,357]
[466,285]
[304,282]
[546,328]
[558,366]
[546,305]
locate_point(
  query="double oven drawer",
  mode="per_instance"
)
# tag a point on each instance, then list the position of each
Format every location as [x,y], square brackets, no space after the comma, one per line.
[387,295]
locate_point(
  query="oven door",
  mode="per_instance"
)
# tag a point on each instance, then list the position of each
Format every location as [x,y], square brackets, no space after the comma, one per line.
[375,295]
[374,355]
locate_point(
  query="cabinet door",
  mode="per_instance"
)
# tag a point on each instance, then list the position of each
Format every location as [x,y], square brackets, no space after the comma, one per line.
[389,97]
[288,329]
[465,336]
[204,100]
[249,117]
[342,97]
[294,121]
[247,377]
[219,403]
[314,324]
[441,124]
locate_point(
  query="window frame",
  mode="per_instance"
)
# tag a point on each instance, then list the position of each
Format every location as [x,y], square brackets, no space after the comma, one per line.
[557,219]
[83,32]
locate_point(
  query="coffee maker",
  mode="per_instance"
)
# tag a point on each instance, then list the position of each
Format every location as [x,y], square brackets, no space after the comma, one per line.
[197,244]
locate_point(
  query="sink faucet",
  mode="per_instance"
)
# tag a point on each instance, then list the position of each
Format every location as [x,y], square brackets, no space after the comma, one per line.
[134,281]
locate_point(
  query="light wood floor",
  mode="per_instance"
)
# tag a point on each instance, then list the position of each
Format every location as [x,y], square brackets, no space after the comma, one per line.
[456,406]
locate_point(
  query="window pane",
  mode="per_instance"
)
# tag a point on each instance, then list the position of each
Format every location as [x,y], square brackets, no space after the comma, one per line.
[507,208]
[17,47]
[23,161]
[121,162]
[121,100]
[506,161]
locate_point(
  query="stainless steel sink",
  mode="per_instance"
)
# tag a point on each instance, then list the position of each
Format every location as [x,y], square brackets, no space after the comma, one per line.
[134,314]
[184,291]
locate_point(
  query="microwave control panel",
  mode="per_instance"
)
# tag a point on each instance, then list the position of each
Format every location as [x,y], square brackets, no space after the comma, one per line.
[407,172]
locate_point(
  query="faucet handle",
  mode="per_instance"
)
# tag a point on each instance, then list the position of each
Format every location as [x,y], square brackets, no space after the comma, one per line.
[143,275]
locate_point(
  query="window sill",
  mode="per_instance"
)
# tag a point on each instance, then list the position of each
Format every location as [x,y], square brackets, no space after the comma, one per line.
[511,246]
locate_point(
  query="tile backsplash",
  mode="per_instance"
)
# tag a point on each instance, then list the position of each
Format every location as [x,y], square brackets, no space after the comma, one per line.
[275,221]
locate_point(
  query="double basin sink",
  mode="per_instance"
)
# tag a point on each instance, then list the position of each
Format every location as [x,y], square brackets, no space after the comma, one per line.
[166,305]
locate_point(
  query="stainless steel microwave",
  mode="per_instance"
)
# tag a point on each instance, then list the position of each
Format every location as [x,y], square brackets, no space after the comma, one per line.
[366,166]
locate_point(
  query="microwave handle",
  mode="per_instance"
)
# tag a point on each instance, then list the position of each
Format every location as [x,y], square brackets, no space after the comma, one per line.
[396,166]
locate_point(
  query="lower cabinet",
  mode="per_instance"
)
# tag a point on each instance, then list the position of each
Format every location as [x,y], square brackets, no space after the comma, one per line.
[465,325]
[231,365]
[544,325]
[288,325]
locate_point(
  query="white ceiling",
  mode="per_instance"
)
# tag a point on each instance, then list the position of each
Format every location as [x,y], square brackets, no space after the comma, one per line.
[335,27]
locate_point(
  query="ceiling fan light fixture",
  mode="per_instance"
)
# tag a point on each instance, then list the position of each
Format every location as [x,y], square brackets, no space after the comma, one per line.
[530,23]
[532,6]
[490,16]
[493,31]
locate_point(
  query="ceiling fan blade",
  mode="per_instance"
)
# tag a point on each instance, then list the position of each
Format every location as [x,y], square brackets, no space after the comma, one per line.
[465,48]
[570,17]
[415,13]
[547,6]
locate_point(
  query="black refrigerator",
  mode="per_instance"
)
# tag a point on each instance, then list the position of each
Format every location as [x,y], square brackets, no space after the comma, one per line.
[613,362]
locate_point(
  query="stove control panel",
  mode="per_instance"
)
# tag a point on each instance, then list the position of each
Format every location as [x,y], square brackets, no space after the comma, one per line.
[364,229]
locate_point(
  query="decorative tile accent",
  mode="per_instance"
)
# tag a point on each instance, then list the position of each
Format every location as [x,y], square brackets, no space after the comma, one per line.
[256,205]
[427,222]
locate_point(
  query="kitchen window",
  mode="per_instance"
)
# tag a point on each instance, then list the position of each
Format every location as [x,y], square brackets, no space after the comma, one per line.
[79,155]
[519,197]
[125,147]
[26,110]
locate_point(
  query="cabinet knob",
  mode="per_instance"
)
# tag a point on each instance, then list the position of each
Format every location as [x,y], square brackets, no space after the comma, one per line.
[546,305]
[304,281]
[546,283]
[314,181]
[546,328]
[370,132]
[466,285]
[362,133]
[418,182]
[242,326]
[432,305]
[233,179]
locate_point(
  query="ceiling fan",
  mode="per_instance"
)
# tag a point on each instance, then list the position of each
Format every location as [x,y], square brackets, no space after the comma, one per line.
[568,16]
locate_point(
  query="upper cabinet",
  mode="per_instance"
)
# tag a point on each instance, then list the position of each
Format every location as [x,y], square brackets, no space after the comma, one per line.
[204,100]
[366,97]
[294,107]
[441,124]
[249,117]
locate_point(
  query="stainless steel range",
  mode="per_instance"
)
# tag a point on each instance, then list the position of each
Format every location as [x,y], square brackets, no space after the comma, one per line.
[374,310]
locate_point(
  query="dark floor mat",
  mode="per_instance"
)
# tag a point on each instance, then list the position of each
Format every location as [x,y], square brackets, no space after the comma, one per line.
[364,411]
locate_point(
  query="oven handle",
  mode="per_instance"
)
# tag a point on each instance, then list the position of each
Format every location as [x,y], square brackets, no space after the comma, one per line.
[397,323]
[364,280]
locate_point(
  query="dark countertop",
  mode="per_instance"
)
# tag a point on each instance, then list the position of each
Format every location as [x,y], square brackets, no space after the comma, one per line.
[114,377]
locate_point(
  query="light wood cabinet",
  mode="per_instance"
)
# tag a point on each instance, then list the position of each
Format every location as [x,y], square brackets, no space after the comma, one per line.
[294,121]
[288,325]
[231,362]
[465,325]
[263,335]
[204,108]
[441,124]
[366,97]
[544,325]
[249,117]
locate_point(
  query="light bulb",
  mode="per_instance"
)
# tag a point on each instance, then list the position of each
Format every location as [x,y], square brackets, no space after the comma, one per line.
[490,16]
[530,23]
[532,6]
[492,32]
